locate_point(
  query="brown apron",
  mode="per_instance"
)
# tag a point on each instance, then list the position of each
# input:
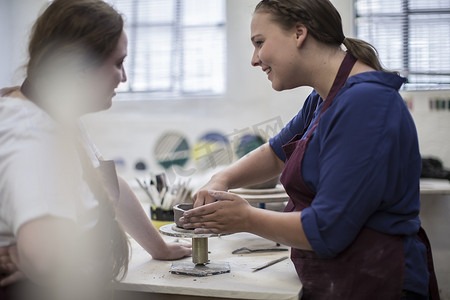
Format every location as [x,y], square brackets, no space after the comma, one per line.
[372,267]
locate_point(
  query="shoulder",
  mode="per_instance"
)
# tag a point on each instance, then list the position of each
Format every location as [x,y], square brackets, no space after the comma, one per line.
[370,91]
[370,84]
[24,117]
[29,136]
[370,104]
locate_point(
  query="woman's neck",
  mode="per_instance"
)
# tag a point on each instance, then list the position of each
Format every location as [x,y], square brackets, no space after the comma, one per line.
[327,66]
[328,61]
[50,100]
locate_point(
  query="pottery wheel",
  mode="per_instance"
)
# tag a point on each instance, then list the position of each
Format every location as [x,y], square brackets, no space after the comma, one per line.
[191,269]
[175,231]
[200,265]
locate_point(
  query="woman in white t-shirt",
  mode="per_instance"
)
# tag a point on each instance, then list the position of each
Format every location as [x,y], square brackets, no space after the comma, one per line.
[62,207]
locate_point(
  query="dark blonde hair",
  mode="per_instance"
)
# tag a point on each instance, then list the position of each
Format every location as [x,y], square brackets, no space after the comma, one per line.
[90,28]
[323,22]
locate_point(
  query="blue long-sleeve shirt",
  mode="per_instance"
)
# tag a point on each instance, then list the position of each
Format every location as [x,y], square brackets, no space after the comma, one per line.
[363,163]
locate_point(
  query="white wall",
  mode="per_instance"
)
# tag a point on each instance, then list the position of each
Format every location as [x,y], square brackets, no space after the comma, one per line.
[130,129]
[5,64]
[5,35]
[16,19]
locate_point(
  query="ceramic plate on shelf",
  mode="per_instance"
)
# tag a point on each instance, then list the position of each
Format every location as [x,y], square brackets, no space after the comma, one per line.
[265,198]
[211,150]
[276,190]
[248,143]
[172,148]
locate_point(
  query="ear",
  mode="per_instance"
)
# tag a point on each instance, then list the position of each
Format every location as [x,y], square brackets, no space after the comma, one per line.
[301,32]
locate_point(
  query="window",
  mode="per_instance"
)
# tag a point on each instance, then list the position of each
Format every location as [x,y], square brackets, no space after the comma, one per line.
[176,48]
[411,36]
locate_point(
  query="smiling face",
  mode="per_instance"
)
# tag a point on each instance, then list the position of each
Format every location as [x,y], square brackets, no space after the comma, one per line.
[276,51]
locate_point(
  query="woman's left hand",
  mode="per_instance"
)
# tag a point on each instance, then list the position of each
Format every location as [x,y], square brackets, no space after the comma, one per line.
[175,251]
[9,261]
[229,214]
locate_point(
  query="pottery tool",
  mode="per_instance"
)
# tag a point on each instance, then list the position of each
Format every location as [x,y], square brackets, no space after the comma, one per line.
[161,182]
[163,195]
[175,194]
[146,190]
[182,192]
[248,250]
[270,263]
[200,265]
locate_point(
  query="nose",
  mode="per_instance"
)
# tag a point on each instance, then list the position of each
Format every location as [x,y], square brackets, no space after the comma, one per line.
[255,59]
[124,75]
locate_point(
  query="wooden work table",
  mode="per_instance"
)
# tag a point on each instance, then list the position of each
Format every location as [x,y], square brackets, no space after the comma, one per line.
[151,279]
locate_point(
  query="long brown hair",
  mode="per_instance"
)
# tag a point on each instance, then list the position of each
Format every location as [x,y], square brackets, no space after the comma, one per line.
[93,28]
[323,22]
[90,26]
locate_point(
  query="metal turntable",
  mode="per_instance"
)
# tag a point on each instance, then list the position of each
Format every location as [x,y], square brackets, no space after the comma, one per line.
[200,265]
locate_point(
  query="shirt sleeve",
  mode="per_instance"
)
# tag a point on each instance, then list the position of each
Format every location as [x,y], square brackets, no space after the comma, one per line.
[295,126]
[367,156]
[44,180]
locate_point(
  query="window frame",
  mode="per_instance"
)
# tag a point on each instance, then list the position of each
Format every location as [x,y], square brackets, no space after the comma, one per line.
[175,90]
[405,17]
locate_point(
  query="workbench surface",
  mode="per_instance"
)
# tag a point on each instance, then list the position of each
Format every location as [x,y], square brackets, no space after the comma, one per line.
[278,281]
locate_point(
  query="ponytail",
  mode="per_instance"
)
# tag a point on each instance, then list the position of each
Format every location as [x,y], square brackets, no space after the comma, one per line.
[364,52]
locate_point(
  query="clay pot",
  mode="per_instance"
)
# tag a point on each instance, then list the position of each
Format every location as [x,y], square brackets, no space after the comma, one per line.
[178,211]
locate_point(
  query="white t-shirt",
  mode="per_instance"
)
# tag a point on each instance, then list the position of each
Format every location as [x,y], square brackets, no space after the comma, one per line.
[40,171]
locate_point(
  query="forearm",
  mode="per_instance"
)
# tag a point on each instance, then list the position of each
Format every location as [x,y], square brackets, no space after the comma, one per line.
[136,222]
[48,251]
[283,228]
[259,165]
[229,213]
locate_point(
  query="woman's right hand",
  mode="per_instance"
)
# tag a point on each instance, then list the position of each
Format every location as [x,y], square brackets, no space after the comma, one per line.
[229,214]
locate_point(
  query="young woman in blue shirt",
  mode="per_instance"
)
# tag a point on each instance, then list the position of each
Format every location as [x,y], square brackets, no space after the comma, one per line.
[349,161]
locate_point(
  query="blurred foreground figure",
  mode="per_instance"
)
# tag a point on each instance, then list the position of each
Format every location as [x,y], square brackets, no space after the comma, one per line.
[63,210]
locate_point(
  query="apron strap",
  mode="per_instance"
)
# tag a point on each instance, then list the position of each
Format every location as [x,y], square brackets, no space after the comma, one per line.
[433,289]
[341,77]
